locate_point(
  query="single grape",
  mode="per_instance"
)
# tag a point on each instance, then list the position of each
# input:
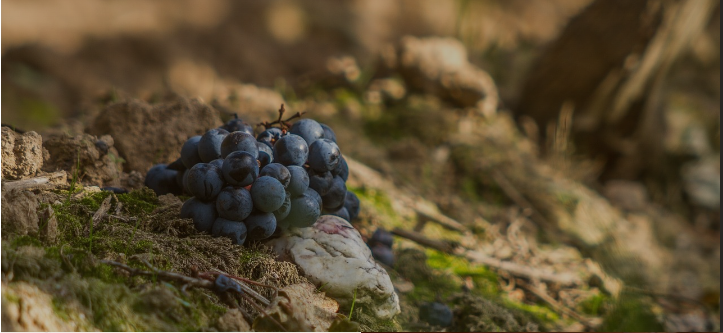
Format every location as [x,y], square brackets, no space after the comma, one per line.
[328,132]
[351,202]
[308,129]
[436,314]
[334,199]
[240,168]
[177,165]
[291,149]
[268,194]
[342,212]
[238,125]
[234,230]
[234,203]
[260,225]
[202,213]
[204,181]
[209,147]
[239,141]
[217,162]
[324,155]
[321,182]
[162,180]
[299,181]
[304,212]
[381,236]
[310,192]
[383,254]
[283,211]
[278,171]
[342,169]
[266,154]
[189,152]
[270,136]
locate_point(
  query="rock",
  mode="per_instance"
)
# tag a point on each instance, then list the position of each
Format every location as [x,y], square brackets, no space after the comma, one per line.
[22,154]
[439,66]
[626,195]
[48,225]
[233,321]
[148,134]
[702,181]
[27,308]
[332,253]
[97,158]
[19,213]
[299,308]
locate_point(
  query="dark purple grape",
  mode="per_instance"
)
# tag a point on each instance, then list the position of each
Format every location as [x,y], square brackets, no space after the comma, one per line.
[342,212]
[342,169]
[204,181]
[278,171]
[310,192]
[291,149]
[283,211]
[266,154]
[209,147]
[324,155]
[308,129]
[240,168]
[381,236]
[202,213]
[270,136]
[383,254]
[116,190]
[217,162]
[351,202]
[239,141]
[234,203]
[224,284]
[304,212]
[162,180]
[260,225]
[189,152]
[234,230]
[299,181]
[328,132]
[321,182]
[238,125]
[268,194]
[436,314]
[334,199]
[177,165]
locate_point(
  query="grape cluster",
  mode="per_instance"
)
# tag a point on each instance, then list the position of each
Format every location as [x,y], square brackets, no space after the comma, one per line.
[245,187]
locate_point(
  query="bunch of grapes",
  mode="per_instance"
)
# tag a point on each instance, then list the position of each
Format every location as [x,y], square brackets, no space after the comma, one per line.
[245,187]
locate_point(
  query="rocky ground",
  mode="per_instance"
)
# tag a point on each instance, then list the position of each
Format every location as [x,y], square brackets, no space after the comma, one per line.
[512,234]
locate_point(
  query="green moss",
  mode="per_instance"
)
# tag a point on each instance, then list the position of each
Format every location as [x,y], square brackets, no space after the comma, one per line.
[422,118]
[542,312]
[485,281]
[139,201]
[25,240]
[381,206]
[594,305]
[631,313]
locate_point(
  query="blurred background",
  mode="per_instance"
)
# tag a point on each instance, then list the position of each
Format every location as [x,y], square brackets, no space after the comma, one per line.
[620,96]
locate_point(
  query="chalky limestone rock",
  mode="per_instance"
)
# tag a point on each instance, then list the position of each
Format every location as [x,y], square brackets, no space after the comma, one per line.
[332,253]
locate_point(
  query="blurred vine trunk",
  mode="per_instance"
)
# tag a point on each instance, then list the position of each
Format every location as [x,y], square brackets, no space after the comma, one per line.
[607,68]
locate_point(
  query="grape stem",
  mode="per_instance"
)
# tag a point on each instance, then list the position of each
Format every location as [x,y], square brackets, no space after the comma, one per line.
[284,125]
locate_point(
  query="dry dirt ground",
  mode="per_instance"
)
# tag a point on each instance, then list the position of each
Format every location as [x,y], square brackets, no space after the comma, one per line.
[512,232]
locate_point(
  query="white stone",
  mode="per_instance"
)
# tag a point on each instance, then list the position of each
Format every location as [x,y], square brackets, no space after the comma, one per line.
[332,254]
